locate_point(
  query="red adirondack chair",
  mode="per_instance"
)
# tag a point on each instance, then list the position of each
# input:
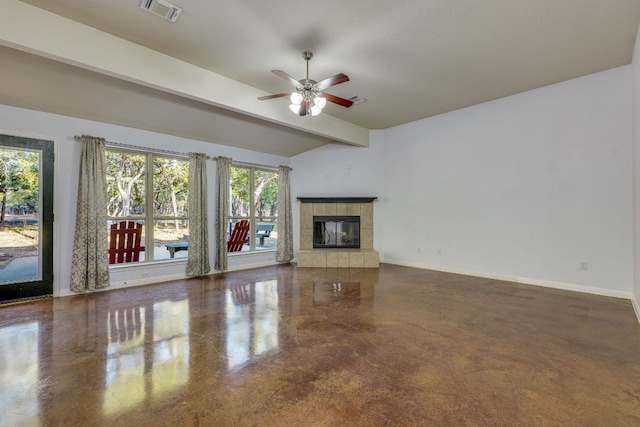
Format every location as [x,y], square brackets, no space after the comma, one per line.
[125,242]
[238,236]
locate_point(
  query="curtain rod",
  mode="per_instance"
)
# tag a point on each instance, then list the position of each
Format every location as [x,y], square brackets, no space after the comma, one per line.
[153,150]
[138,148]
[257,165]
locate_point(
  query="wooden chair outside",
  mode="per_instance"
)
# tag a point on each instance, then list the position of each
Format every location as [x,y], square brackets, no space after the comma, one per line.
[238,236]
[125,242]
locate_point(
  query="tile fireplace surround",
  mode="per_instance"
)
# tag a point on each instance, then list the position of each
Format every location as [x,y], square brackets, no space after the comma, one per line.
[365,257]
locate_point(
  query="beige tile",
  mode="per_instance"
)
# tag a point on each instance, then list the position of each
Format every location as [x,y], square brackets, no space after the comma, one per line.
[305,259]
[319,209]
[319,259]
[306,239]
[341,209]
[356,260]
[366,209]
[343,259]
[353,209]
[306,208]
[366,238]
[330,209]
[332,259]
[306,216]
[371,259]
[366,220]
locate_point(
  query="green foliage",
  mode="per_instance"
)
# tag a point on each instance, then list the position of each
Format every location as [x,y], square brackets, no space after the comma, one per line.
[125,183]
[126,179]
[239,191]
[19,180]
[170,186]
[265,192]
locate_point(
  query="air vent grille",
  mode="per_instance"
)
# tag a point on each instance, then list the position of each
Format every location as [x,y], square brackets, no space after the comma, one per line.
[161,8]
[356,100]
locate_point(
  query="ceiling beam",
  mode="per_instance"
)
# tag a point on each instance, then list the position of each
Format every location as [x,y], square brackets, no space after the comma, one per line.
[36,31]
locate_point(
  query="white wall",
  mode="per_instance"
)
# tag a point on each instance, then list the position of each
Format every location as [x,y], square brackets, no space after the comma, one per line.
[636,169]
[522,188]
[61,130]
[341,171]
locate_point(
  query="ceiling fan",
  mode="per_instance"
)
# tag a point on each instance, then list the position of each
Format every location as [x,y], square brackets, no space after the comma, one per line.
[309,98]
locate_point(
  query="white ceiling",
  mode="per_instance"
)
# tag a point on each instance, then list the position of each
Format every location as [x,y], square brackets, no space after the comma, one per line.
[410,59]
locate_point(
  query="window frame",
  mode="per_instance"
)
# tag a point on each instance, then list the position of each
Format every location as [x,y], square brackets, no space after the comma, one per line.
[252,217]
[148,217]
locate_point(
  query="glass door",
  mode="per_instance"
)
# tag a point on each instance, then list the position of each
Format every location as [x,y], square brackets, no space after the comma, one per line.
[26,217]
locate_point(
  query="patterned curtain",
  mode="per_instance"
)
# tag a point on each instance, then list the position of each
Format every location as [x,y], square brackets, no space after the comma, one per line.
[90,264]
[198,255]
[284,251]
[223,179]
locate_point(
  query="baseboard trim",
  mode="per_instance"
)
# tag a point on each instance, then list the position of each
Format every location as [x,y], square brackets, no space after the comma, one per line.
[636,307]
[125,284]
[147,281]
[521,280]
[247,266]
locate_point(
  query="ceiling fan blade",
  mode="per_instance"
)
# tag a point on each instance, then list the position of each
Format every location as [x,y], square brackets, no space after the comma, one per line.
[287,77]
[331,81]
[278,95]
[338,100]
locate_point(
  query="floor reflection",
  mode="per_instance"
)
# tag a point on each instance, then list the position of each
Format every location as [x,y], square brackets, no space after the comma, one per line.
[252,317]
[147,353]
[124,369]
[171,346]
[326,293]
[19,374]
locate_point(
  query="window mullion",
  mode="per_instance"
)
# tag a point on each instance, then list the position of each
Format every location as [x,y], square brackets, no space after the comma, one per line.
[148,208]
[252,219]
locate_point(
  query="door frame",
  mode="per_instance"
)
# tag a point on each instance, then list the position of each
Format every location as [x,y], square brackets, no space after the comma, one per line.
[43,286]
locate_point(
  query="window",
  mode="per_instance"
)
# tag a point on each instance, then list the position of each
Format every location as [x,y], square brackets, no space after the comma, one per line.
[254,197]
[155,195]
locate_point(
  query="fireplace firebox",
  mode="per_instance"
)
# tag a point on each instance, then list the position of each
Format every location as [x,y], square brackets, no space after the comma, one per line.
[336,232]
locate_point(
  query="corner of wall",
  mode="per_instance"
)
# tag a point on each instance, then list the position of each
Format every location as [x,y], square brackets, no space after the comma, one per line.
[635,82]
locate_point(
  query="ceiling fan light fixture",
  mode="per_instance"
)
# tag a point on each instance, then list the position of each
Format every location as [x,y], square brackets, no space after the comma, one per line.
[295,108]
[315,110]
[296,98]
[320,102]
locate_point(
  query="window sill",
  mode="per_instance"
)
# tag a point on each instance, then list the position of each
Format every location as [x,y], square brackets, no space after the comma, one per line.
[250,253]
[139,265]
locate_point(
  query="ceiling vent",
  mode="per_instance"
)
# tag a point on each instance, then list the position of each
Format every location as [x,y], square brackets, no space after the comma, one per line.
[356,99]
[161,8]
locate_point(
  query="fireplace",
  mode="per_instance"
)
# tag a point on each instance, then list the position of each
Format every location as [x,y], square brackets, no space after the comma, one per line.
[336,232]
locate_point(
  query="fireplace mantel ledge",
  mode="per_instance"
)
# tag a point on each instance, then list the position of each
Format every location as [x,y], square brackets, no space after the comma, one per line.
[337,199]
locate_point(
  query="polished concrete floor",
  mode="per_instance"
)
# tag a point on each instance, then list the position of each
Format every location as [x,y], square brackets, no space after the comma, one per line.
[317,347]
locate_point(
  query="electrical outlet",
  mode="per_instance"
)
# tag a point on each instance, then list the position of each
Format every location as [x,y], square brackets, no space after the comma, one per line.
[419,250]
[583,265]
[439,251]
